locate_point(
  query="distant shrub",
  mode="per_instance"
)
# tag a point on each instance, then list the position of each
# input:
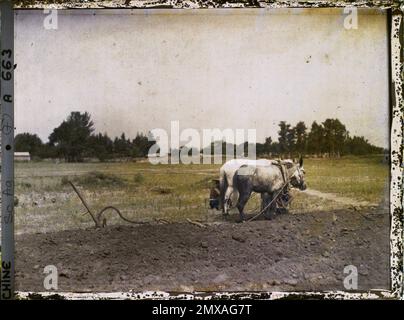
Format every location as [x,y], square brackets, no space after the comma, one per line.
[25,185]
[138,178]
[64,181]
[99,179]
[162,190]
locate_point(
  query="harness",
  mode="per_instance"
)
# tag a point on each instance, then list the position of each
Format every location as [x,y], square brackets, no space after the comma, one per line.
[283,170]
[284,198]
[283,192]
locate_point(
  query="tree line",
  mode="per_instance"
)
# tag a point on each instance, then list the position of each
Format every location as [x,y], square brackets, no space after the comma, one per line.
[74,140]
[329,138]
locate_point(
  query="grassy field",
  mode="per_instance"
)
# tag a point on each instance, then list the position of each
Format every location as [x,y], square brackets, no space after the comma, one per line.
[355,177]
[173,192]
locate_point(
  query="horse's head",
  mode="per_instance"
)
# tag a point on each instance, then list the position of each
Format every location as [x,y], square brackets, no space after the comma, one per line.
[297,178]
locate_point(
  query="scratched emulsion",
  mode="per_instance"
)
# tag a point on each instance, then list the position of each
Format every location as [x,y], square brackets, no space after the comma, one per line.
[396,198]
[186,4]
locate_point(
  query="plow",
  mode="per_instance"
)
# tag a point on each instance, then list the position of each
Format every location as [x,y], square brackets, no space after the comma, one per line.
[99,220]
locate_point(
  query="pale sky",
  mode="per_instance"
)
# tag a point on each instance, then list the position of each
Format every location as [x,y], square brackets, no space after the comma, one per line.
[139,70]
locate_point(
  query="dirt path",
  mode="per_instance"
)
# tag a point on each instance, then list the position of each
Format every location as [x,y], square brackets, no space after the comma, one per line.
[291,252]
[339,199]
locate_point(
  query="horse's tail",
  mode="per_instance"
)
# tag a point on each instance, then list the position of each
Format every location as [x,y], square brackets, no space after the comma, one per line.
[235,183]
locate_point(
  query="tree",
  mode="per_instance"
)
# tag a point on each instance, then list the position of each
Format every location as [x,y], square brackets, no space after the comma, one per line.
[264,148]
[267,145]
[286,138]
[283,137]
[335,135]
[142,144]
[361,146]
[291,139]
[122,146]
[315,138]
[101,146]
[71,138]
[27,142]
[301,137]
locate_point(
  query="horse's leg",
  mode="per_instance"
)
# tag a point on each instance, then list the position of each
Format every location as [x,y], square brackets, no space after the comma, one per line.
[233,197]
[270,211]
[221,198]
[263,200]
[266,199]
[222,187]
[242,200]
[227,199]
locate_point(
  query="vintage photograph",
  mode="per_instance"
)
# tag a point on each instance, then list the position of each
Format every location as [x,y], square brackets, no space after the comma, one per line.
[217,150]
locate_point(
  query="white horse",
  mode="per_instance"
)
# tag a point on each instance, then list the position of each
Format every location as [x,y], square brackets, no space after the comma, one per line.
[229,194]
[268,181]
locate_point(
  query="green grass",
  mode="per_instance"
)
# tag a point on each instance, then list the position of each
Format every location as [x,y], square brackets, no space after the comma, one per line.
[143,191]
[361,178]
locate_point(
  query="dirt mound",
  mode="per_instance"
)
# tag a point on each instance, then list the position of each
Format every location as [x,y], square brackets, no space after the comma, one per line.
[291,252]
